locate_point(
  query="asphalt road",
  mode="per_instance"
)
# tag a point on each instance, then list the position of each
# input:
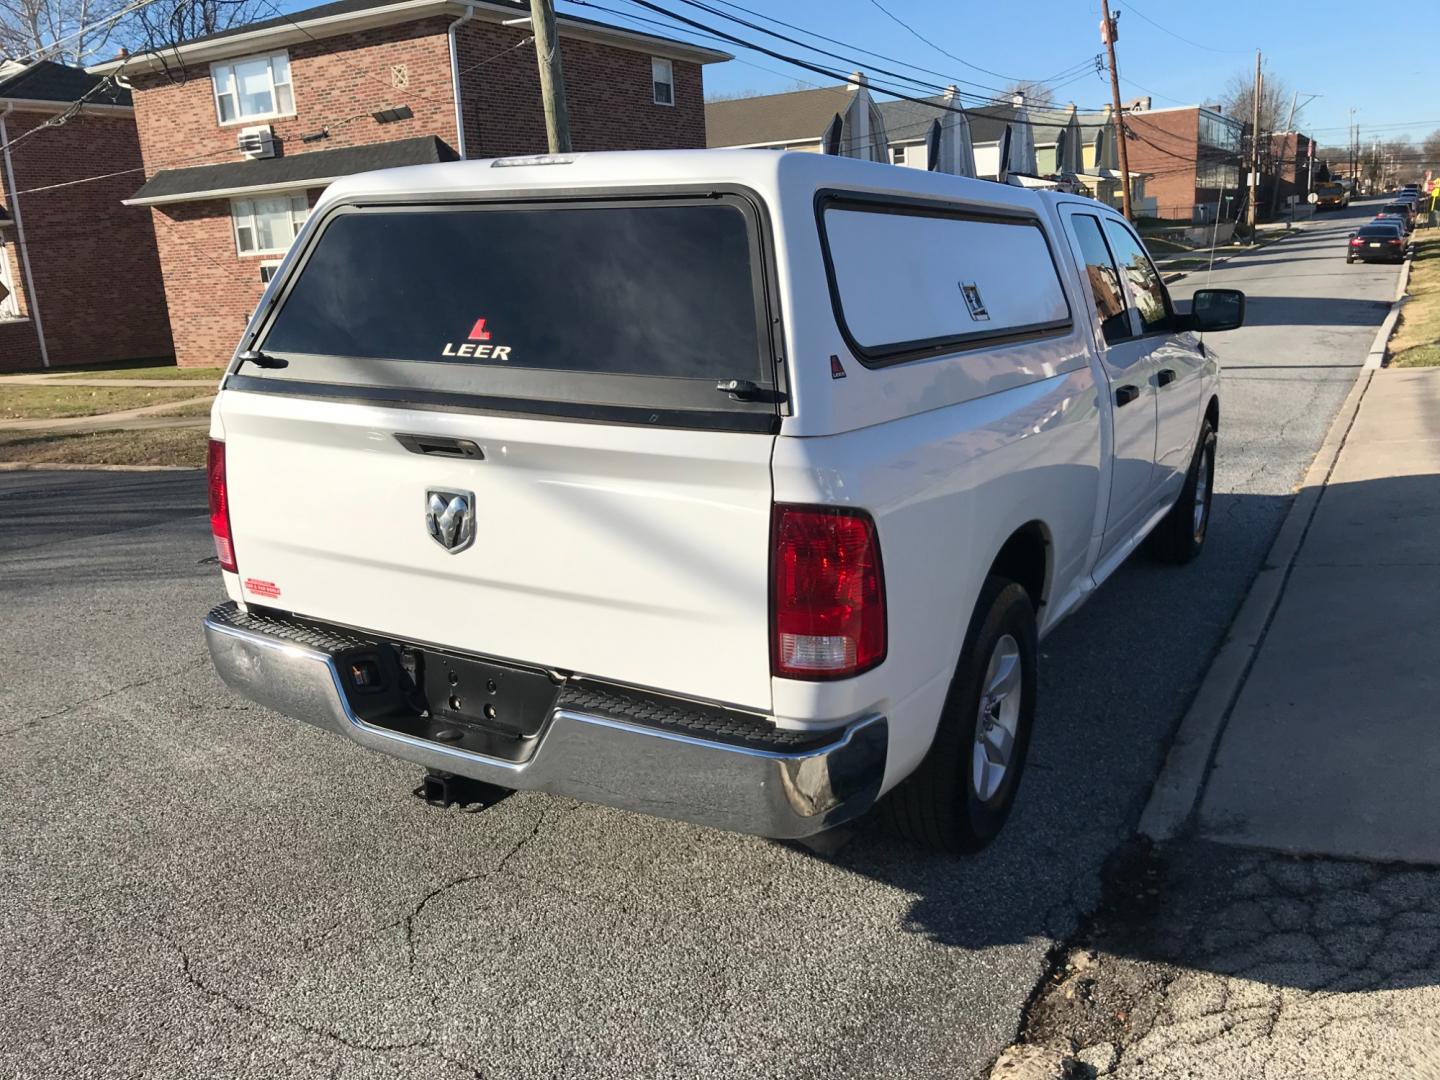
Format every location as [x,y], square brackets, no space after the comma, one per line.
[190,886]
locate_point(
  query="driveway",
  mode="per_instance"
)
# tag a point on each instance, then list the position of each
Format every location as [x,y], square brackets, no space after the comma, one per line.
[195,887]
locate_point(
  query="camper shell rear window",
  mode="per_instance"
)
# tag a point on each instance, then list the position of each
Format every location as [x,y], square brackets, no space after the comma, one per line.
[627,310]
[914,278]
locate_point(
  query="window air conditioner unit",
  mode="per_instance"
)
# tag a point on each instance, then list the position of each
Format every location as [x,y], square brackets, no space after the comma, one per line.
[257,142]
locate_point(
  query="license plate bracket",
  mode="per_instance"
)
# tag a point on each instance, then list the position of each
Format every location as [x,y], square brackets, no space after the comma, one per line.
[514,701]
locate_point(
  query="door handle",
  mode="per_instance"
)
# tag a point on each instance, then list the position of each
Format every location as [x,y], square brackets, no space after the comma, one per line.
[1165,377]
[1126,394]
[440,446]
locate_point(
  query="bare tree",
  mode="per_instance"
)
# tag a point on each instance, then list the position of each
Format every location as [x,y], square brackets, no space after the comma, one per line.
[1238,101]
[750,92]
[66,31]
[172,22]
[83,31]
[1037,94]
[1428,156]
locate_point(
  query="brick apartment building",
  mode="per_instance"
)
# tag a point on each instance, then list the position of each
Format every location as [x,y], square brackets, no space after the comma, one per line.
[79,272]
[1191,155]
[358,85]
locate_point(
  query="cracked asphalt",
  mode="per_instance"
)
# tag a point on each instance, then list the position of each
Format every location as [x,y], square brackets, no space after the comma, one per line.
[192,887]
[1215,961]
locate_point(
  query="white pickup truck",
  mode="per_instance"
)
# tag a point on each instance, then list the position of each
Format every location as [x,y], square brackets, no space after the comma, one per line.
[729,486]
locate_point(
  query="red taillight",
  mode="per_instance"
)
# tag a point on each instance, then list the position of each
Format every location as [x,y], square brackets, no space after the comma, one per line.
[827,593]
[1395,242]
[220,506]
[1357,242]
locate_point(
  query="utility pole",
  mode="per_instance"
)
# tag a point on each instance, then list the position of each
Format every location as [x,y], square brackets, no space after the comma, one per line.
[1255,147]
[1354,139]
[1109,31]
[552,77]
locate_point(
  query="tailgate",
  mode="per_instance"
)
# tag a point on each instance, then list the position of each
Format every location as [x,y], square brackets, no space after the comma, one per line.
[626,554]
[606,368]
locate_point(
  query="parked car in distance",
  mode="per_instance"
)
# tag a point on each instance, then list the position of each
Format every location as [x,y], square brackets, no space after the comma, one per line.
[1399,212]
[639,479]
[1380,241]
[1330,195]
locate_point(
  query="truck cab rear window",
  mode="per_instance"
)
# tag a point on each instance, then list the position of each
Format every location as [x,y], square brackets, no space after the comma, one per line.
[548,301]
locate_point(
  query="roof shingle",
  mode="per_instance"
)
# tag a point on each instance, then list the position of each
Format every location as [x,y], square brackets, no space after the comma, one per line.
[48,81]
[319,166]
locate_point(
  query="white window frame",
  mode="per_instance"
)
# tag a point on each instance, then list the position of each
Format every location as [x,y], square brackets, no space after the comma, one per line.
[898,154]
[242,216]
[9,305]
[659,65]
[222,80]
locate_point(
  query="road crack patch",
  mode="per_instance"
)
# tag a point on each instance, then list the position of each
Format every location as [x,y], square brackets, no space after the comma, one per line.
[37,720]
[274,1020]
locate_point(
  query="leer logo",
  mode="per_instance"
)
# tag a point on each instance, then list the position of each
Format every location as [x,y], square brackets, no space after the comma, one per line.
[478,333]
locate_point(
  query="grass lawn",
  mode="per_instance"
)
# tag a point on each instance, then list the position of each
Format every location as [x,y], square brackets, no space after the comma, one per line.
[164,371]
[1157,246]
[1416,342]
[161,446]
[128,369]
[32,402]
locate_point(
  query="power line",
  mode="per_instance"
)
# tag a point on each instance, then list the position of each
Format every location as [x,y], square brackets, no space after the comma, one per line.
[882,56]
[993,92]
[1165,29]
[830,73]
[921,37]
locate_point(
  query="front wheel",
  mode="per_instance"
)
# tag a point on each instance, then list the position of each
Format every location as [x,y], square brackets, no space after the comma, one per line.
[959,797]
[1181,533]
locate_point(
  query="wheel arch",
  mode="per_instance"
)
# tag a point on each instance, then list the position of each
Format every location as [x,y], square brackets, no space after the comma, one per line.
[1025,558]
[1212,413]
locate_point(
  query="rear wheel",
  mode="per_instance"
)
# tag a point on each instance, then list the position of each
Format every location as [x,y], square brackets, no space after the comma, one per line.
[1180,536]
[959,797]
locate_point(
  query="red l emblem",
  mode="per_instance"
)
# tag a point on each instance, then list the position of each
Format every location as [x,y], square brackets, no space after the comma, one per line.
[478,331]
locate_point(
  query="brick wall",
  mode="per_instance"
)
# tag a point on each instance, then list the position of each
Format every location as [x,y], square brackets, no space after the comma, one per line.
[94,262]
[334,80]
[211,289]
[608,91]
[1164,144]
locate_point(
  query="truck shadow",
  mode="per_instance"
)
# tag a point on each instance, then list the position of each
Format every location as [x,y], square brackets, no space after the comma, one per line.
[1116,678]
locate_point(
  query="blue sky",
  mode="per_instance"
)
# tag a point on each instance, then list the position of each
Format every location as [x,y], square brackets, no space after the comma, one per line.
[1310,46]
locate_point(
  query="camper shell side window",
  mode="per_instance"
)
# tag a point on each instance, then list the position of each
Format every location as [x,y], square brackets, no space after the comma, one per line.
[914,278]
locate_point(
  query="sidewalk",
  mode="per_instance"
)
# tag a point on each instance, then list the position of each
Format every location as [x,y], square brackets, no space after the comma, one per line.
[1293,931]
[1333,746]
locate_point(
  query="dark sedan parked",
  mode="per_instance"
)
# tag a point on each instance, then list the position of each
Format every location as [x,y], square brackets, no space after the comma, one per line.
[1380,241]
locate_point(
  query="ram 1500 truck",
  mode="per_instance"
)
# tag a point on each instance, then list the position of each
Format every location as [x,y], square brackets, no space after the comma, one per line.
[730,486]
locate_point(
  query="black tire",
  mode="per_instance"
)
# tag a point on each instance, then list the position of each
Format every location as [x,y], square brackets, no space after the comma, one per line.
[1348,260]
[1179,538]
[939,805]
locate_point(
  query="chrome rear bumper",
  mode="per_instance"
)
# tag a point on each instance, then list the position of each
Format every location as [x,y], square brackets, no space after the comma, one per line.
[595,758]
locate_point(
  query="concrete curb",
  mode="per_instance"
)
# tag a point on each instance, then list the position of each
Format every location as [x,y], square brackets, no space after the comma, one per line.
[1177,789]
[1375,359]
[36,466]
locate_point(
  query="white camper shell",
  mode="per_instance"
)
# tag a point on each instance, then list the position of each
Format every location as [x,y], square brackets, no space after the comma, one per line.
[731,486]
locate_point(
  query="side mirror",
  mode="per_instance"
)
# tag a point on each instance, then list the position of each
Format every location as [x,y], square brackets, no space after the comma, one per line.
[1213,310]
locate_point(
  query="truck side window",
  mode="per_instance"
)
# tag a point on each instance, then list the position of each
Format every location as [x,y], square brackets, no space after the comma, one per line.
[1104,278]
[1145,284]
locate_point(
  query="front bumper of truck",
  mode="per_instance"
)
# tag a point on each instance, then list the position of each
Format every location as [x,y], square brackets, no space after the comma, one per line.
[600,743]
